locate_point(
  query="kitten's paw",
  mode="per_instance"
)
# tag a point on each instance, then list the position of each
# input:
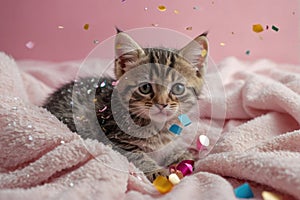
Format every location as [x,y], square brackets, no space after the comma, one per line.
[159,172]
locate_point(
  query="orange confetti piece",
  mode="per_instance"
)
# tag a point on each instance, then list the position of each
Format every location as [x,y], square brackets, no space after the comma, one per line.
[176,11]
[162,8]
[257,28]
[86,26]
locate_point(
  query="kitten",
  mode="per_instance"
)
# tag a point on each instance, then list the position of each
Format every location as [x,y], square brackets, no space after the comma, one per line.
[155,85]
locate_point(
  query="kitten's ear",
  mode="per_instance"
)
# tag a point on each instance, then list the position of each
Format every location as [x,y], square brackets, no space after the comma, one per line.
[196,52]
[127,53]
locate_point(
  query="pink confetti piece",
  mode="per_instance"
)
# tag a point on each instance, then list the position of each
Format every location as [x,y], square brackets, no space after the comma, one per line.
[114,83]
[29,45]
[103,109]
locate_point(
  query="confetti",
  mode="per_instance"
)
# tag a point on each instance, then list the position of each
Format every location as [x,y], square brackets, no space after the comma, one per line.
[267,27]
[86,27]
[203,141]
[30,138]
[162,184]
[243,191]
[60,27]
[248,52]
[189,28]
[114,83]
[103,109]
[196,7]
[29,45]
[274,28]
[176,11]
[162,8]
[96,41]
[257,28]
[222,44]
[185,168]
[103,84]
[184,119]
[155,25]
[203,53]
[145,8]
[175,129]
[270,196]
[174,179]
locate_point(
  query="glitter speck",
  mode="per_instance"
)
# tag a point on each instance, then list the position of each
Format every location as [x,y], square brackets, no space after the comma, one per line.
[30,138]
[103,84]
[27,175]
[86,27]
[89,91]
[71,184]
[162,8]
[155,25]
[14,108]
[176,11]
[71,102]
[29,45]
[60,27]
[62,142]
[145,8]
[189,28]
[29,126]
[222,44]
[96,41]
[16,98]
[196,7]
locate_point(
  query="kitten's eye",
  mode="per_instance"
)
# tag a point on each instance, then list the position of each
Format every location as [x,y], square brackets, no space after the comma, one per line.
[178,89]
[145,88]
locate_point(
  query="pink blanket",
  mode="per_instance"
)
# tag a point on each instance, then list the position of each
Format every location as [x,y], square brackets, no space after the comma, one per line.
[41,159]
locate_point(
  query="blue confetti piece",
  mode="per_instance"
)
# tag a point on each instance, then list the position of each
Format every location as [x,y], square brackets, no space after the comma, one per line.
[184,119]
[175,129]
[244,191]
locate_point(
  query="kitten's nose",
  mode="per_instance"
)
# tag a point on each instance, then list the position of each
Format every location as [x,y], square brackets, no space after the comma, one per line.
[161,106]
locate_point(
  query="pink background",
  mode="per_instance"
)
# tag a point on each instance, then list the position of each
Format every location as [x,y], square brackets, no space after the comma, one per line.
[228,21]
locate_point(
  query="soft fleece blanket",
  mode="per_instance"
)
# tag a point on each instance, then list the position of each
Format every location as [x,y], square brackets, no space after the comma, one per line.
[260,144]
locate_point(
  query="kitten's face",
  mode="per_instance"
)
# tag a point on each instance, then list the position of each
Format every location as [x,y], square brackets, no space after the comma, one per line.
[159,84]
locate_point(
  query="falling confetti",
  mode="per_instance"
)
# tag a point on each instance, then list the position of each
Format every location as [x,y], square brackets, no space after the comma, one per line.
[155,25]
[96,41]
[275,28]
[86,27]
[29,45]
[248,52]
[176,11]
[203,53]
[257,28]
[244,191]
[145,8]
[60,27]
[189,28]
[270,196]
[267,27]
[196,7]
[162,8]
[222,44]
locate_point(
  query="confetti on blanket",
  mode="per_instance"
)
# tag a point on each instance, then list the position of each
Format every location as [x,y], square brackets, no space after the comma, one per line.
[41,159]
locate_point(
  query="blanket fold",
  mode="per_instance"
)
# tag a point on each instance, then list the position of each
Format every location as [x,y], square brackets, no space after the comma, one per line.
[42,159]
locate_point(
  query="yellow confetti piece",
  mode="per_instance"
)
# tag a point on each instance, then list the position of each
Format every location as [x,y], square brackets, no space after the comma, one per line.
[203,53]
[162,8]
[86,26]
[257,28]
[162,184]
[270,196]
[189,28]
[176,11]
[222,44]
[118,46]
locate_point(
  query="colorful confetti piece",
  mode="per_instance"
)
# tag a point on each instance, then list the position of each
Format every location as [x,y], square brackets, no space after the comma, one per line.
[86,27]
[145,8]
[184,119]
[257,28]
[155,25]
[60,27]
[162,184]
[96,41]
[196,7]
[176,12]
[203,141]
[162,8]
[203,53]
[222,44]
[243,191]
[248,52]
[29,44]
[103,109]
[270,196]
[275,28]
[175,129]
[174,179]
[189,28]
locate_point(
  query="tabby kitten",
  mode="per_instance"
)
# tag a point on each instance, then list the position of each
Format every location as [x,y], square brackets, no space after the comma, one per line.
[155,85]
